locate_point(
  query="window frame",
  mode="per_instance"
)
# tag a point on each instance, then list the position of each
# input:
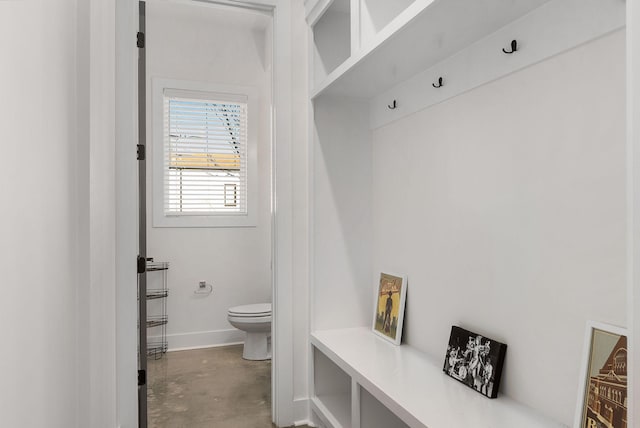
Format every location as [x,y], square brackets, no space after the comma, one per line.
[218,92]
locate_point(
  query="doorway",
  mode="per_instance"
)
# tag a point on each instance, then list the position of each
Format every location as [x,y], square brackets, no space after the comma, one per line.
[202,60]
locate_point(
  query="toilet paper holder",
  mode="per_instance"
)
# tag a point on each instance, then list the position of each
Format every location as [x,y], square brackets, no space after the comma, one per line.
[204,288]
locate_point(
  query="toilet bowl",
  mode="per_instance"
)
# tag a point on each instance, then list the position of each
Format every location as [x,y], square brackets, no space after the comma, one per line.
[255,320]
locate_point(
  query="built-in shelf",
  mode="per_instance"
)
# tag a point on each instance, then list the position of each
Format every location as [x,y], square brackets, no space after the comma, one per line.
[397,51]
[413,386]
[331,39]
[423,34]
[332,391]
[332,410]
[375,415]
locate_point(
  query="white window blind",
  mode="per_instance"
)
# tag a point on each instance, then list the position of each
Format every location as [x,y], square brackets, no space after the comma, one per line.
[205,154]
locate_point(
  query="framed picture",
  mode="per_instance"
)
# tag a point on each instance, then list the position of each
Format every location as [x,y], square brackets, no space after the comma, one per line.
[475,361]
[602,393]
[390,299]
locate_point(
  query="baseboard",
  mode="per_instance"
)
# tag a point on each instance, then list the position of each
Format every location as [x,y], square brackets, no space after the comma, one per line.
[202,339]
[302,412]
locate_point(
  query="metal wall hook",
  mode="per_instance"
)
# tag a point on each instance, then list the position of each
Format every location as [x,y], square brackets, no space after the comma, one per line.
[439,83]
[514,47]
[393,106]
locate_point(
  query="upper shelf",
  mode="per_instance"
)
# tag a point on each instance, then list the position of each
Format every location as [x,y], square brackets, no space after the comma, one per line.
[419,37]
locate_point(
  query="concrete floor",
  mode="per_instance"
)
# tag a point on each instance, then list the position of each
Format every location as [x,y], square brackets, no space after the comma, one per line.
[208,388]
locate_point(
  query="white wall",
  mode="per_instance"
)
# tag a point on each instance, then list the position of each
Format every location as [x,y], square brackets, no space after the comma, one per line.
[216,45]
[300,170]
[57,313]
[125,174]
[102,218]
[505,207]
[633,219]
[341,224]
[43,374]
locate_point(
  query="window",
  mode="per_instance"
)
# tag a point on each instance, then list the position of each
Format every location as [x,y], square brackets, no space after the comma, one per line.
[205,156]
[202,168]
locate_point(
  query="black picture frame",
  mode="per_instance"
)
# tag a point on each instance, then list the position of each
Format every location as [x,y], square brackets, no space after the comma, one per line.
[475,361]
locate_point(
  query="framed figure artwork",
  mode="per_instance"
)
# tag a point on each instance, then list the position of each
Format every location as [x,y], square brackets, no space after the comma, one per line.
[602,392]
[391,295]
[475,360]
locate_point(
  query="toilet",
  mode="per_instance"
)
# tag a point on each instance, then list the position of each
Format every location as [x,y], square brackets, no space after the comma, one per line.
[255,320]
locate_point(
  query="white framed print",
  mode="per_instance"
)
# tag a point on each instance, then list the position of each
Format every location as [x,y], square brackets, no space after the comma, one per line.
[390,298]
[602,392]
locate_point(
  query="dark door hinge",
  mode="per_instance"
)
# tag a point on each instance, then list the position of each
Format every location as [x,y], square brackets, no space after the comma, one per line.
[142,152]
[142,377]
[140,40]
[142,264]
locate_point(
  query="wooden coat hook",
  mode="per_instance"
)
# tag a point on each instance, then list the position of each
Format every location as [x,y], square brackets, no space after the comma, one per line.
[393,106]
[514,47]
[439,83]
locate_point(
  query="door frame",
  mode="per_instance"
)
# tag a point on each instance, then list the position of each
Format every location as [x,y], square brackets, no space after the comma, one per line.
[125,178]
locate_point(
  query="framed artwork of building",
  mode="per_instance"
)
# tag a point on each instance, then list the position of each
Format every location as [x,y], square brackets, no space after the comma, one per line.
[602,393]
[474,360]
[388,317]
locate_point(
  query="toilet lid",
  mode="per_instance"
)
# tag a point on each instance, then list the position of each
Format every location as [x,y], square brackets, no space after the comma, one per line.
[256,310]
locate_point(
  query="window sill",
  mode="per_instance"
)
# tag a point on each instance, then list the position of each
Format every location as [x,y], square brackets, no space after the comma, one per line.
[205,221]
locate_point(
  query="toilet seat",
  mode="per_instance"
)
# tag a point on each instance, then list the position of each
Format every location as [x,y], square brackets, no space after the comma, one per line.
[259,310]
[249,320]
